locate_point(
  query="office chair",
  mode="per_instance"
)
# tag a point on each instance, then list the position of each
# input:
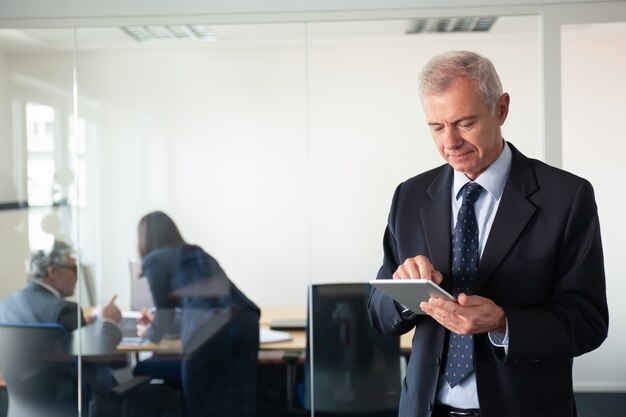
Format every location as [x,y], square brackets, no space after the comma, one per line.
[353,369]
[39,372]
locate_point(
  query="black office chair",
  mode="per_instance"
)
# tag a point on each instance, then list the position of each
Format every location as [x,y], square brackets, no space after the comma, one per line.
[39,371]
[354,369]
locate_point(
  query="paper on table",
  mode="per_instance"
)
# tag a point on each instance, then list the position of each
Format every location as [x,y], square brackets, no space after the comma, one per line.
[268,335]
[131,314]
[133,341]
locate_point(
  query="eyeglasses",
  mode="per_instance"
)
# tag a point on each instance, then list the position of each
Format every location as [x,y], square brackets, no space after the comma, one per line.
[73,268]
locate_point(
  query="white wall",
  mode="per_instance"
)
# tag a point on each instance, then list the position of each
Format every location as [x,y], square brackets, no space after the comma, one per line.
[13,223]
[593,147]
[6,160]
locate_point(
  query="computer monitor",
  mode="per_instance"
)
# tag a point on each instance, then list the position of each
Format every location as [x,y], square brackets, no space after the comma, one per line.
[348,354]
[88,296]
[140,295]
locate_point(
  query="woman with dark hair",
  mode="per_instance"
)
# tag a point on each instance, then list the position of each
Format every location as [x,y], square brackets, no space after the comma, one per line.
[219,326]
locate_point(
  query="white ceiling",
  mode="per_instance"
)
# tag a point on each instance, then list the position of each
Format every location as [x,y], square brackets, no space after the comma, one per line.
[25,40]
[114,38]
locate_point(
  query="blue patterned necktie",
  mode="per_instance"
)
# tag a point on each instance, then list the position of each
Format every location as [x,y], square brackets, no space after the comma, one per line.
[460,358]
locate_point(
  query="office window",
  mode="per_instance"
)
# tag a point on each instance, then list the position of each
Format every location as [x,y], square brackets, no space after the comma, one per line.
[40,169]
[40,145]
[77,162]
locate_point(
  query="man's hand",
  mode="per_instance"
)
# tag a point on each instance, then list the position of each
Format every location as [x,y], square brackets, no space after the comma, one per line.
[471,314]
[418,267]
[111,312]
[146,317]
[142,329]
[144,322]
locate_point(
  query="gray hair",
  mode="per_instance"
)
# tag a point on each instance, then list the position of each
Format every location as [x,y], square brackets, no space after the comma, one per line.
[443,69]
[40,260]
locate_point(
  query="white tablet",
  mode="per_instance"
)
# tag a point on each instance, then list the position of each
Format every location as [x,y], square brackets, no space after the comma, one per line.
[411,292]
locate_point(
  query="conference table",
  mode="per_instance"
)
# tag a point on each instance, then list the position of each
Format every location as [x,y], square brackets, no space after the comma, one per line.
[269,352]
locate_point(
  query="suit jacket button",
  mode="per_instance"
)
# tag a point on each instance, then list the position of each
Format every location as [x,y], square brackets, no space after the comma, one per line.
[430,406]
[438,361]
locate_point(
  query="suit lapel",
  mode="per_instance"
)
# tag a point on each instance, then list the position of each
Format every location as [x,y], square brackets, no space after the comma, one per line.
[514,213]
[436,217]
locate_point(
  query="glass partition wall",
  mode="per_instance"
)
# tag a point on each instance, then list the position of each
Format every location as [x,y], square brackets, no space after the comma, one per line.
[275,150]
[368,134]
[39,205]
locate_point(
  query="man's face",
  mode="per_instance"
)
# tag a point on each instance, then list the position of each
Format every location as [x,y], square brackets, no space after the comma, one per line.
[465,133]
[63,277]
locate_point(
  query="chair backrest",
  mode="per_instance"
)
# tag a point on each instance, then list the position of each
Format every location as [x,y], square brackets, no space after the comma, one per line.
[39,371]
[356,370]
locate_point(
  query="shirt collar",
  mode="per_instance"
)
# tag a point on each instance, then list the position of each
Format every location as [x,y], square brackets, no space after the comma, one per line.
[492,180]
[48,287]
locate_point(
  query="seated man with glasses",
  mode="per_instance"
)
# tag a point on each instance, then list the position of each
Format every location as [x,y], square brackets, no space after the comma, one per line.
[53,278]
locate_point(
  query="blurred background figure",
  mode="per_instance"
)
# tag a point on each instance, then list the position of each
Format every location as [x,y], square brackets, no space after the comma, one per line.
[219,327]
[53,278]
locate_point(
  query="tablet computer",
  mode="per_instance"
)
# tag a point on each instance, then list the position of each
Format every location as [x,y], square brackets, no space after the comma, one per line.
[411,292]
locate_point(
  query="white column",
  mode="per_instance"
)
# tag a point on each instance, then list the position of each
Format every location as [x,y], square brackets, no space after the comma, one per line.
[550,61]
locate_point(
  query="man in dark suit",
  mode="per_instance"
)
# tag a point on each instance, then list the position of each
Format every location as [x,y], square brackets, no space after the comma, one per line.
[54,275]
[535,296]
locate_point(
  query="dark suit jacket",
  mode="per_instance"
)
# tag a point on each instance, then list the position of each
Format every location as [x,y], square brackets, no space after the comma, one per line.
[36,304]
[542,264]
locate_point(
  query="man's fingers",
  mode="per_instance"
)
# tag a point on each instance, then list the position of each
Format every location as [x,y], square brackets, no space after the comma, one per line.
[413,270]
[112,300]
[401,273]
[470,300]
[472,314]
[418,267]
[437,278]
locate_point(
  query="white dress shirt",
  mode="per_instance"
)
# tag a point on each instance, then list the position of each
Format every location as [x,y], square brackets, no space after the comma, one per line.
[48,287]
[493,180]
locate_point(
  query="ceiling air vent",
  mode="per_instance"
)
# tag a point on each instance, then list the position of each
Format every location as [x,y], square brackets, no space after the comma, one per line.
[451,24]
[197,32]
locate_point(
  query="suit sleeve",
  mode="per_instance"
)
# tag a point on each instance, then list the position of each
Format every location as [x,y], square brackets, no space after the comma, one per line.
[68,316]
[157,267]
[575,320]
[385,313]
[99,338]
